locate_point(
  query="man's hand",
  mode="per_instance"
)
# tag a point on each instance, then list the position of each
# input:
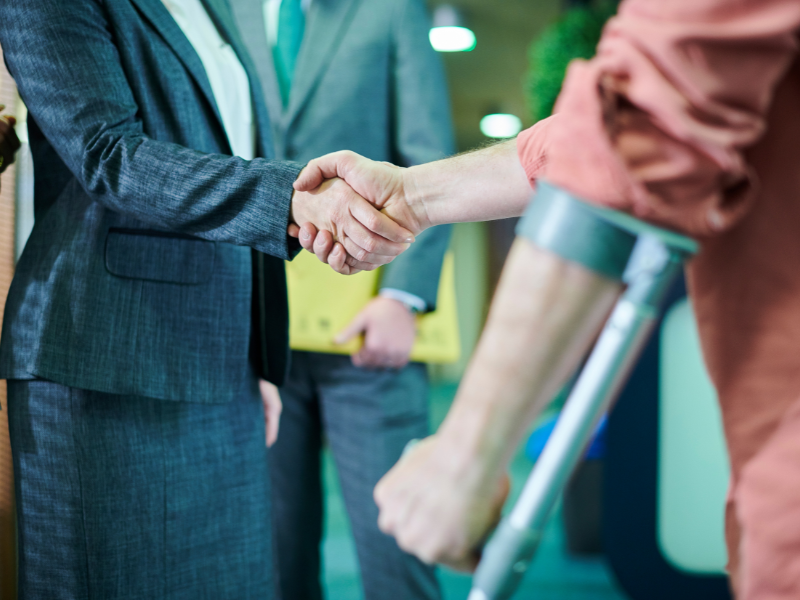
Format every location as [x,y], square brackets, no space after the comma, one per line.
[9,142]
[440,505]
[386,186]
[272,410]
[389,330]
[371,239]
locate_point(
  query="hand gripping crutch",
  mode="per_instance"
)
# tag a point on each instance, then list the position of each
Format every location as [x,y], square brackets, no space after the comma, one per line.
[645,258]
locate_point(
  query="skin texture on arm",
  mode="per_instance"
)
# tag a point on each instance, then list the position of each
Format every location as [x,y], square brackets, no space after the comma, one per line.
[441,499]
[482,185]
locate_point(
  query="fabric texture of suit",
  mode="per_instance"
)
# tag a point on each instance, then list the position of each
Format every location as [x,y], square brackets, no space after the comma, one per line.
[366,80]
[136,278]
[130,498]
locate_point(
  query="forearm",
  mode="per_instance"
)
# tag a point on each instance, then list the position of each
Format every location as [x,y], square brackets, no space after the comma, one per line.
[483,185]
[544,316]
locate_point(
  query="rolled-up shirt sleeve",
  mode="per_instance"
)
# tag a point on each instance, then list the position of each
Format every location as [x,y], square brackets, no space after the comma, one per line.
[658,124]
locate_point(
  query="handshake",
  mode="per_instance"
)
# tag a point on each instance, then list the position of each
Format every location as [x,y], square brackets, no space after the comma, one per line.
[353,213]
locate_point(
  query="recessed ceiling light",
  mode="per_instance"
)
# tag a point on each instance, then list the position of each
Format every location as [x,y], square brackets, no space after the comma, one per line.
[448,33]
[500,125]
[452,39]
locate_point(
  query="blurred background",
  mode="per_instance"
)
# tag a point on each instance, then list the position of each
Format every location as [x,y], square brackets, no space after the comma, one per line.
[643,516]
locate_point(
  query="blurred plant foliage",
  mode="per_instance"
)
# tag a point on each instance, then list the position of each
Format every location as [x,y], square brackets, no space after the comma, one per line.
[574,35]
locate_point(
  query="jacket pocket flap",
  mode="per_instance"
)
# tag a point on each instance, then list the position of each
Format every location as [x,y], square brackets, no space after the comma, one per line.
[159,256]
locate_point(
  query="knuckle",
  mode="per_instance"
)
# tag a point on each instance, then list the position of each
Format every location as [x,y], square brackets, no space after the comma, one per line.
[370,244]
[372,221]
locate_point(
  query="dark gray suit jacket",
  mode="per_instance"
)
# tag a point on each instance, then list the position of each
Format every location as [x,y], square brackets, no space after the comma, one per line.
[366,80]
[137,276]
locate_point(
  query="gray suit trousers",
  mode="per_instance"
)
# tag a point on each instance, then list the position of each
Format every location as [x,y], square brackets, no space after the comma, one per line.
[125,497]
[368,416]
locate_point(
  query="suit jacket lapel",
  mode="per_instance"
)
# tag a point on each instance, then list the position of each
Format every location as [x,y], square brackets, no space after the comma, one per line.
[162,21]
[249,16]
[223,19]
[326,24]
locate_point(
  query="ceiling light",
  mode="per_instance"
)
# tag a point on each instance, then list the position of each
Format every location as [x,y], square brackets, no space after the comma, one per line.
[500,125]
[448,33]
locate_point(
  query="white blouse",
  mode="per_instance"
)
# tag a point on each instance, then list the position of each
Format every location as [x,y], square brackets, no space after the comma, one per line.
[225,73]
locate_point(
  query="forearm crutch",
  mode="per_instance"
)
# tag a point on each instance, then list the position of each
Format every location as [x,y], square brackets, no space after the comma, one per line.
[647,259]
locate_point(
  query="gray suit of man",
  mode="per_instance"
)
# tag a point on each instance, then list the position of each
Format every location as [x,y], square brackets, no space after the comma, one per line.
[366,80]
[136,426]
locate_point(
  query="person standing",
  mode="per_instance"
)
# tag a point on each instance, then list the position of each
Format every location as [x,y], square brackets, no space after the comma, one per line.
[358,75]
[136,426]
[687,118]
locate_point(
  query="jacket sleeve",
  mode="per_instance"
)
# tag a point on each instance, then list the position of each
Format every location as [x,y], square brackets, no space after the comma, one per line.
[658,124]
[422,132]
[65,62]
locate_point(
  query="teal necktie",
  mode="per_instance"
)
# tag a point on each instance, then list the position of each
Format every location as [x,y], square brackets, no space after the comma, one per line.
[291,25]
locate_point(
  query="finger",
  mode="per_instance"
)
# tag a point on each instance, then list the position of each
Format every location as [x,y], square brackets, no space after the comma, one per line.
[376,221]
[322,168]
[399,361]
[338,261]
[293,231]
[307,237]
[362,266]
[356,327]
[323,246]
[369,242]
[360,256]
[366,359]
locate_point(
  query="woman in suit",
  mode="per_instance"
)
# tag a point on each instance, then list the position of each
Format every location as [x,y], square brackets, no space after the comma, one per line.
[134,411]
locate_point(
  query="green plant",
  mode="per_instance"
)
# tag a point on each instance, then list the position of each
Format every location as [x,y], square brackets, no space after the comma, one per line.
[574,35]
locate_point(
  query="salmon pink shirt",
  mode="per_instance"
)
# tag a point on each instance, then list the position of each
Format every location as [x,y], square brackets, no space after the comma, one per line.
[689,117]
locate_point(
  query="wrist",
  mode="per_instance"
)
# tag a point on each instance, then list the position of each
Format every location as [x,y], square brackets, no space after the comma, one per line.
[471,439]
[295,207]
[414,198]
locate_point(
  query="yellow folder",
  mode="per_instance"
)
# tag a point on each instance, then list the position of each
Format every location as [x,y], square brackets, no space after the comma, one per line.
[323,302]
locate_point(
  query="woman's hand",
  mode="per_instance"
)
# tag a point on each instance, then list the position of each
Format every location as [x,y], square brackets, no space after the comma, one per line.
[272,410]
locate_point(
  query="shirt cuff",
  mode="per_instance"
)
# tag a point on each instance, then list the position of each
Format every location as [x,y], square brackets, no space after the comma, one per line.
[417,303]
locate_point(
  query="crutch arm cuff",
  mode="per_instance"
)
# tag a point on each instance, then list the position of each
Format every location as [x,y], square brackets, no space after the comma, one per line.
[597,238]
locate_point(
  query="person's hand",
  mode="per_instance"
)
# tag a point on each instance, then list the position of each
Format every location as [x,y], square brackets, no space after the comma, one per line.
[371,239]
[439,505]
[9,142]
[272,409]
[384,185]
[389,330]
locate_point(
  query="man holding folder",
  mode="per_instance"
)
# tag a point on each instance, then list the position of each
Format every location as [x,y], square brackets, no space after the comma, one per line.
[358,75]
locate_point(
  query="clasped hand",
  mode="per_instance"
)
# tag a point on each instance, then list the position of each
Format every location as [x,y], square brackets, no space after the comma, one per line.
[353,213]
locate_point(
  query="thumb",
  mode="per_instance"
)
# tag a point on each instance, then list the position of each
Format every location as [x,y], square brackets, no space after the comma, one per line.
[356,326]
[322,168]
